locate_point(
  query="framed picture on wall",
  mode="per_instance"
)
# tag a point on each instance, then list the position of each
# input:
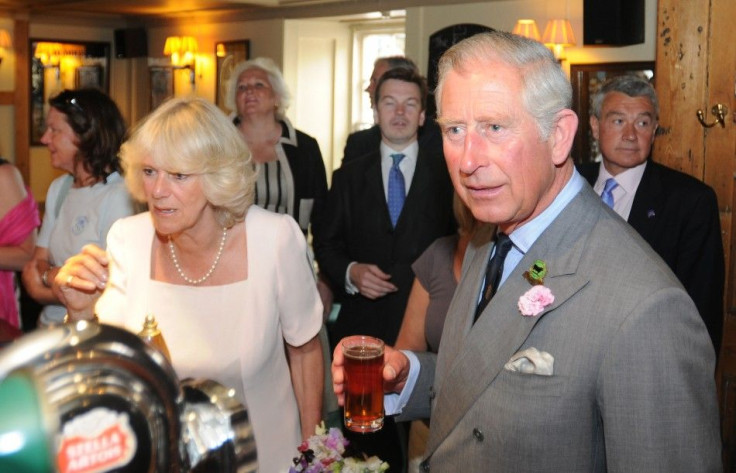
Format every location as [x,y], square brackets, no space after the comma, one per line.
[88,77]
[586,79]
[51,72]
[228,54]
[162,84]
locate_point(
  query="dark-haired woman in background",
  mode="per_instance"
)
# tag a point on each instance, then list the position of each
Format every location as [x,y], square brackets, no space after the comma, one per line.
[84,131]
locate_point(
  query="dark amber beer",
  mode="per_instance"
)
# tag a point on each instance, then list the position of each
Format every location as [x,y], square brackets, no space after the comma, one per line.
[363,383]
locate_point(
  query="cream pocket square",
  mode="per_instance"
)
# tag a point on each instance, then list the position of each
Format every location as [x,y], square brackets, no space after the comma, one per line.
[532,361]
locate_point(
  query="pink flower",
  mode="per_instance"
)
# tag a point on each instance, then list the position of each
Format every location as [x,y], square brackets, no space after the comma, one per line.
[533,302]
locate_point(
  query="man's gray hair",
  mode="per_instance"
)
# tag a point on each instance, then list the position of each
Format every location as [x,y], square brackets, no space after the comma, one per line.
[628,84]
[545,88]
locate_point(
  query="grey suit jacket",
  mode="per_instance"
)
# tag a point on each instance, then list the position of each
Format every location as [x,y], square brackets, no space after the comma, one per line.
[632,388]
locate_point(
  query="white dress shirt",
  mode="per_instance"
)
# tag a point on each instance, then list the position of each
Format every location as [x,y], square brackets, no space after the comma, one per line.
[623,194]
[407,165]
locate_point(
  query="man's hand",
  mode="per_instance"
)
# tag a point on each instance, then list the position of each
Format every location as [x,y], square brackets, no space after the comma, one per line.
[371,281]
[395,372]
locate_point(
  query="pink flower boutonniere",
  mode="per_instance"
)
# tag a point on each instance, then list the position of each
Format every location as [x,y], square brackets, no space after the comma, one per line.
[533,302]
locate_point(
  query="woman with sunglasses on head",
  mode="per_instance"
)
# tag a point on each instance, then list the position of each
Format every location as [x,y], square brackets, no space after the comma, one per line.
[84,131]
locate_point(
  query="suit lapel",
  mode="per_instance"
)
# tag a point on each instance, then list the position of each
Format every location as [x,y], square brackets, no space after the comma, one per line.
[374,188]
[480,352]
[648,202]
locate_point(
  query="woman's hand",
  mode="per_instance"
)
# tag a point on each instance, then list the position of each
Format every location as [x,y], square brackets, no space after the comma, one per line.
[33,277]
[80,282]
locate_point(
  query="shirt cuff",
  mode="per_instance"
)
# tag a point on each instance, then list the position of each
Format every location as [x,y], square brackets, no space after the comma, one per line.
[350,288]
[394,403]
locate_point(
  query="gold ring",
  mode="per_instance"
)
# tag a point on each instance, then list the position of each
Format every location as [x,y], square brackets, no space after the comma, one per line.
[69,280]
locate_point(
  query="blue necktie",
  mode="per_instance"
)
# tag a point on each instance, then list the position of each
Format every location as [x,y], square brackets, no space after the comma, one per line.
[607,195]
[396,189]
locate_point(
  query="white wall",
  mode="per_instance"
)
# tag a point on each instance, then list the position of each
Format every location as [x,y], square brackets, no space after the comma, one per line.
[316,69]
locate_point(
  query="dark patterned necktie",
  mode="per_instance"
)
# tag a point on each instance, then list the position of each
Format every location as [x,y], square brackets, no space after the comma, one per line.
[493,272]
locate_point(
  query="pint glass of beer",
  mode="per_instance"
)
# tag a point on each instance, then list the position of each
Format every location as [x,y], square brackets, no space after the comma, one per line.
[363,383]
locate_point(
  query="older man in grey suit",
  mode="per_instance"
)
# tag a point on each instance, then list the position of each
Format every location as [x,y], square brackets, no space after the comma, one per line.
[590,357]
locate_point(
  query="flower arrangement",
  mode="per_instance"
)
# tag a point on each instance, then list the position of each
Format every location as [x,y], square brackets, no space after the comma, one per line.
[327,451]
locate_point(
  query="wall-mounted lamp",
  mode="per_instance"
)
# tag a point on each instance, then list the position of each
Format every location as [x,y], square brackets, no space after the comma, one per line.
[182,50]
[527,28]
[220,50]
[48,53]
[5,43]
[558,35]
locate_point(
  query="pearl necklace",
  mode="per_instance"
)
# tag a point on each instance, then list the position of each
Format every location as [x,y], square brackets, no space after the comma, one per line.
[172,252]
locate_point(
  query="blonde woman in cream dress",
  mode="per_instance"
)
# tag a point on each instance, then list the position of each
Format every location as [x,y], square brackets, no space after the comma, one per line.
[229,283]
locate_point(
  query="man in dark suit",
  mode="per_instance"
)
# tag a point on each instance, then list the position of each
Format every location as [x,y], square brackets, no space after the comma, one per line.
[569,345]
[356,245]
[674,212]
[365,254]
[362,142]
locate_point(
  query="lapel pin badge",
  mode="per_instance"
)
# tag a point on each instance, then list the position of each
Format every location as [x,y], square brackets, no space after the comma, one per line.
[535,274]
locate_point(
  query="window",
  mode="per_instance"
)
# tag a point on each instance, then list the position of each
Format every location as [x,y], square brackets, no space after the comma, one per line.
[369,43]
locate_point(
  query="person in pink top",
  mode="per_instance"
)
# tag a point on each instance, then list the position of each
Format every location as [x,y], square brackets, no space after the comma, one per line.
[18,222]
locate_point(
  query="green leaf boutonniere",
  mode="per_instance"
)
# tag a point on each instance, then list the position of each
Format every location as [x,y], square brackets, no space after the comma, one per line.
[535,274]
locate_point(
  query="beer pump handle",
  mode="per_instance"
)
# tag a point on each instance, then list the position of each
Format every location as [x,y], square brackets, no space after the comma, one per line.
[152,335]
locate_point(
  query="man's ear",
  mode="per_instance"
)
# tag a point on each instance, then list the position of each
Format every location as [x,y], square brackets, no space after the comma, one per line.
[563,135]
[594,126]
[375,114]
[422,117]
[654,133]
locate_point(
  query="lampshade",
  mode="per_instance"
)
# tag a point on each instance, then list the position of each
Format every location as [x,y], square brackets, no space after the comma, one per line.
[180,44]
[172,45]
[48,53]
[220,50]
[188,44]
[181,49]
[527,28]
[5,41]
[558,32]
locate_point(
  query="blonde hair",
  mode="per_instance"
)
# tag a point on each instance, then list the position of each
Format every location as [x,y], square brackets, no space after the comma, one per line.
[192,136]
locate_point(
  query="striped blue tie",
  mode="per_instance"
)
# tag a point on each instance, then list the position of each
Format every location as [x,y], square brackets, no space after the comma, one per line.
[396,189]
[607,195]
